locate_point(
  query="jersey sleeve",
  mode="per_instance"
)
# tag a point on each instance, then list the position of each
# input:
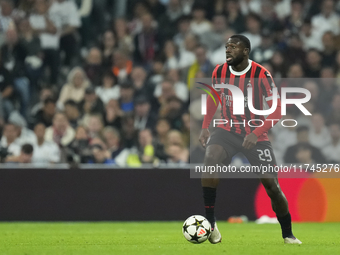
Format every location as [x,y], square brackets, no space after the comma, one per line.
[267,85]
[211,107]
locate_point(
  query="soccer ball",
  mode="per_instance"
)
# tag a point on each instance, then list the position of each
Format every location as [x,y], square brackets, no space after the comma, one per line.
[196,229]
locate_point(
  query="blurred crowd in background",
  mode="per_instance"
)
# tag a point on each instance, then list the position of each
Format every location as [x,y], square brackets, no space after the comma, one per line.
[108,81]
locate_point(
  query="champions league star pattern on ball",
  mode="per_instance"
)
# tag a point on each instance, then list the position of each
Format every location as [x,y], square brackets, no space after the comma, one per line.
[196,229]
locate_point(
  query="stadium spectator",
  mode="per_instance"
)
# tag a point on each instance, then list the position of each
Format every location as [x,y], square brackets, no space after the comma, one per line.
[122,66]
[25,135]
[13,57]
[253,31]
[199,23]
[235,18]
[202,63]
[113,114]
[129,133]
[161,132]
[108,48]
[75,87]
[124,39]
[294,21]
[6,89]
[72,113]
[94,66]
[187,54]
[44,151]
[304,154]
[329,52]
[170,18]
[328,88]
[214,38]
[9,139]
[327,20]
[309,39]
[171,55]
[91,103]
[60,132]
[6,16]
[46,114]
[25,156]
[79,150]
[266,50]
[94,125]
[140,82]
[180,88]
[147,43]
[33,58]
[183,30]
[126,97]
[144,118]
[46,26]
[109,89]
[334,112]
[175,155]
[100,156]
[69,21]
[144,153]
[319,135]
[301,147]
[112,140]
[332,150]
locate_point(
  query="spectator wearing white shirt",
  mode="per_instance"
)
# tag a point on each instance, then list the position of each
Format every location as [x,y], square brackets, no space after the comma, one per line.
[199,24]
[66,11]
[46,26]
[6,15]
[309,39]
[60,132]
[327,20]
[253,33]
[319,134]
[44,151]
[24,134]
[8,140]
[332,151]
[109,90]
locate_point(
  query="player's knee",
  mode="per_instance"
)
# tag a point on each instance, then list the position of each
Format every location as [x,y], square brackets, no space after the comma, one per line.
[214,155]
[272,189]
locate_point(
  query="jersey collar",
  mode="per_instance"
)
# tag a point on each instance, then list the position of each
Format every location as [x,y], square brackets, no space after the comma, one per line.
[242,72]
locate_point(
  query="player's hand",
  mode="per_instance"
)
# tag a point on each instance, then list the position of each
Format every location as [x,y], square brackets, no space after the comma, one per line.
[204,136]
[249,141]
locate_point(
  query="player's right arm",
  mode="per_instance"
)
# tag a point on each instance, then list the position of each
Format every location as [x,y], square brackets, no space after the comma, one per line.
[211,109]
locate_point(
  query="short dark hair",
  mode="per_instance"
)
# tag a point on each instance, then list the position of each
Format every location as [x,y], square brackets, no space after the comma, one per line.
[49,100]
[71,102]
[302,129]
[27,148]
[244,40]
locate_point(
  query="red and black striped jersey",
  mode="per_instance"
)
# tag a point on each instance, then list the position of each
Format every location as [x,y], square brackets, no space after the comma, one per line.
[261,82]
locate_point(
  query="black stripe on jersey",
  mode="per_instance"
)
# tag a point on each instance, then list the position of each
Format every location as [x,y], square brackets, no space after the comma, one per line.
[246,111]
[257,92]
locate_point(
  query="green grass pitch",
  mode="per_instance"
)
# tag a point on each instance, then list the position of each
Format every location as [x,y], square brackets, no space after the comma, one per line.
[159,238]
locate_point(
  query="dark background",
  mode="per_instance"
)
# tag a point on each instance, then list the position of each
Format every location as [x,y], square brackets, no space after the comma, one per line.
[119,195]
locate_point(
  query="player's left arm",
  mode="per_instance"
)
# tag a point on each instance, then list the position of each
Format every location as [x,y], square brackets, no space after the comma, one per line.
[267,85]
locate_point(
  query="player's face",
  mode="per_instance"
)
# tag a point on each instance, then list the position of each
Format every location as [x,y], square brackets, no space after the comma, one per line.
[235,52]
